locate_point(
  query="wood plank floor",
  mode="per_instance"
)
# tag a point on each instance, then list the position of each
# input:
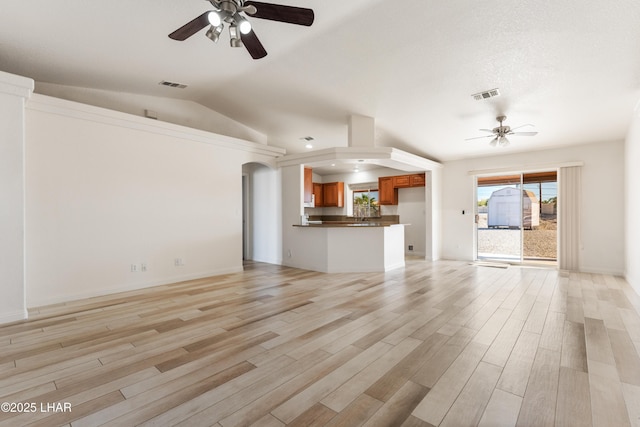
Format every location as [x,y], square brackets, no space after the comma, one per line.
[433,344]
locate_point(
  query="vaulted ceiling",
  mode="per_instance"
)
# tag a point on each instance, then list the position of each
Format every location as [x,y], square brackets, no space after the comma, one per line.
[571,68]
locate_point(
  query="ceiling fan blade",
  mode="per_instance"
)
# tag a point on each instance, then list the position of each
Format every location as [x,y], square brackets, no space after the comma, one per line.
[253,45]
[523,133]
[486,130]
[190,28]
[521,126]
[480,137]
[281,13]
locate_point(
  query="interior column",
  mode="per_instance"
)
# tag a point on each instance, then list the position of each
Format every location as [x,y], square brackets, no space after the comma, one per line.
[14,91]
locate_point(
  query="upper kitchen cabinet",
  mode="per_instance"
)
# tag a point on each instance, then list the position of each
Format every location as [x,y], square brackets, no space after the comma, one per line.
[308,185]
[388,186]
[417,180]
[406,181]
[318,194]
[402,181]
[333,194]
[387,193]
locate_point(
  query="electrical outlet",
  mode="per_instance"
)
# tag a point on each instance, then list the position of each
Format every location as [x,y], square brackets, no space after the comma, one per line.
[410,247]
[143,267]
[179,262]
[134,268]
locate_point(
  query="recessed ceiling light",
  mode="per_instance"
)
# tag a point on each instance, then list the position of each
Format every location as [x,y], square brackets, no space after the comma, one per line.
[333,164]
[309,146]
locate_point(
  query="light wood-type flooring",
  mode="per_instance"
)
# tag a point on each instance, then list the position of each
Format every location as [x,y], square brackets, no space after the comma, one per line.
[433,344]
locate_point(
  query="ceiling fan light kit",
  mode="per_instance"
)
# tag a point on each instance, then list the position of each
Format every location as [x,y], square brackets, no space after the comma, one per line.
[240,29]
[499,133]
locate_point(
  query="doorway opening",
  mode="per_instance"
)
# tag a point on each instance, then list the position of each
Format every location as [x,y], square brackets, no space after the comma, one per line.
[517,218]
[245,217]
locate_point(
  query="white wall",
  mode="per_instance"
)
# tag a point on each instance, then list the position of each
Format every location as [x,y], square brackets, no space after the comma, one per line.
[105,190]
[170,110]
[264,213]
[411,208]
[602,220]
[632,200]
[14,90]
[296,250]
[433,210]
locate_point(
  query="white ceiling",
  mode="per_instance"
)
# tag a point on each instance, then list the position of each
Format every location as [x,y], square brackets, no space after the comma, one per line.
[570,67]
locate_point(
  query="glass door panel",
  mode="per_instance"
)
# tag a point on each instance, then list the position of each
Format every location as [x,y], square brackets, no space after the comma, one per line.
[540,234]
[499,235]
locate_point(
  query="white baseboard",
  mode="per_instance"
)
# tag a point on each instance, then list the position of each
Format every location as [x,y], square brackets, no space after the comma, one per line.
[13,316]
[133,287]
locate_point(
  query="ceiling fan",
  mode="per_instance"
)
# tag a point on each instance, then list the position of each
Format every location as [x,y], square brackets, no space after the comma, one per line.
[232,12]
[499,134]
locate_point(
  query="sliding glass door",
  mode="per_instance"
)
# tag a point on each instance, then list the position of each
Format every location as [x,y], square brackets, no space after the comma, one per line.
[516,217]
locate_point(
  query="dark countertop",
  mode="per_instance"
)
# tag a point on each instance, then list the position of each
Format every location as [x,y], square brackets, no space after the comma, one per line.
[338,224]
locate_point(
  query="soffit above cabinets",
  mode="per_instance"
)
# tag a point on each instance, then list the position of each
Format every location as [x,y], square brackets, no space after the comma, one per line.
[347,158]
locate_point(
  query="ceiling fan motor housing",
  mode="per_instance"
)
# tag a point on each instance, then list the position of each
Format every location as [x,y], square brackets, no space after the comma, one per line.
[232,12]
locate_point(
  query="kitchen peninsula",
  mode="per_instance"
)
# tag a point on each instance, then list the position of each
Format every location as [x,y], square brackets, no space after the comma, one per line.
[358,248]
[352,246]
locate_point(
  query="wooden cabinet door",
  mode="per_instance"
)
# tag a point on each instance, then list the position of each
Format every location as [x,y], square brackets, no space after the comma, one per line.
[333,194]
[387,193]
[308,184]
[318,194]
[402,181]
[418,180]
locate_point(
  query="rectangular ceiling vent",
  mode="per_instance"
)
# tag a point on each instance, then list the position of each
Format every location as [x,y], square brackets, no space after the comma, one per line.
[486,94]
[172,84]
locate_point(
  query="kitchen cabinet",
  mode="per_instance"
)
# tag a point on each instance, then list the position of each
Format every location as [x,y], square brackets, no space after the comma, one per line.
[417,180]
[308,185]
[388,186]
[406,181]
[402,181]
[387,193]
[318,194]
[333,194]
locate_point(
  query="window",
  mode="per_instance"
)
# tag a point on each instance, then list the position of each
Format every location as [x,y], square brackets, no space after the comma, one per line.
[365,203]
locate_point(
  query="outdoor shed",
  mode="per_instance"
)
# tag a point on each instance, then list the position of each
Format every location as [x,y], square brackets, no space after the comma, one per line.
[504,209]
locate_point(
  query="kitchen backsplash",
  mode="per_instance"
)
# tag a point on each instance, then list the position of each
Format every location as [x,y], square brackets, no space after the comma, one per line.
[391,219]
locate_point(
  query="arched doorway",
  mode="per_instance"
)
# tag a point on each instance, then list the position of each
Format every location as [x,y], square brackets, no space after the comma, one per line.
[261,213]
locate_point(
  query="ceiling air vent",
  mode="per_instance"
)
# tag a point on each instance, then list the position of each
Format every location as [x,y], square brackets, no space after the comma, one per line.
[172,84]
[486,94]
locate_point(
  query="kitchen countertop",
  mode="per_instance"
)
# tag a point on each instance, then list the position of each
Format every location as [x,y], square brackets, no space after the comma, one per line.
[336,224]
